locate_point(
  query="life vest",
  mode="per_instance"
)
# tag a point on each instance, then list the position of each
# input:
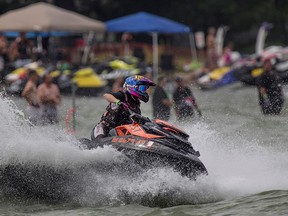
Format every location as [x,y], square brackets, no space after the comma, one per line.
[116,115]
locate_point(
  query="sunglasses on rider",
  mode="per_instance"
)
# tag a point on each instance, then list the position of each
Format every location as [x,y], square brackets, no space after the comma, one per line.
[142,88]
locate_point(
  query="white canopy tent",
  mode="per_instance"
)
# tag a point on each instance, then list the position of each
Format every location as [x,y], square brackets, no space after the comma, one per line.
[46,17]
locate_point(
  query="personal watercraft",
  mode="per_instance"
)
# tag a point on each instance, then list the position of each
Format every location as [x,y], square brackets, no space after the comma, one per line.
[152,144]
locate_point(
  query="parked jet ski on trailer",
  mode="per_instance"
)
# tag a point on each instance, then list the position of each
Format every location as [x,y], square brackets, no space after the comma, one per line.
[152,144]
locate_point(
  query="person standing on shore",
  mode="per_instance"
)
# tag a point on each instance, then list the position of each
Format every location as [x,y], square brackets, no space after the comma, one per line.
[30,94]
[21,48]
[211,54]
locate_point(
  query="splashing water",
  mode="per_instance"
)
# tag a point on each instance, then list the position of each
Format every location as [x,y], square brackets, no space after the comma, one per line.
[239,166]
[93,177]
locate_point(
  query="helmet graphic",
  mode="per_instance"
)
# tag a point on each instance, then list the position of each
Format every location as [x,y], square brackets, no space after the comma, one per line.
[137,86]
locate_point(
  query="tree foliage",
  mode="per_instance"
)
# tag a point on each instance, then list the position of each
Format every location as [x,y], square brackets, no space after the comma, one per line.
[241,16]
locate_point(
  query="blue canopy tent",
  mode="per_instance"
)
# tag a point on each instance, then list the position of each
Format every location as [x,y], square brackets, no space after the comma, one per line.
[143,22]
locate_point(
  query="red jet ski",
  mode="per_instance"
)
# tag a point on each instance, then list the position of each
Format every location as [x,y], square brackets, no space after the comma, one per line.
[153,144]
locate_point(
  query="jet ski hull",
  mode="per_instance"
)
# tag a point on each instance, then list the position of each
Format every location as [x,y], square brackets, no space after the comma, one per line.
[151,153]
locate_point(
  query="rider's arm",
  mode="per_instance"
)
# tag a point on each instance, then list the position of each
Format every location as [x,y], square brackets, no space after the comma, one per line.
[110,98]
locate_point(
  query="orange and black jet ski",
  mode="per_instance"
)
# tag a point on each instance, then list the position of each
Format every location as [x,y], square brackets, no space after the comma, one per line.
[153,144]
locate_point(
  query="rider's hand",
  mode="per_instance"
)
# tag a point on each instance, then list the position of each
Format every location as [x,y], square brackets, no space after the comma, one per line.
[124,105]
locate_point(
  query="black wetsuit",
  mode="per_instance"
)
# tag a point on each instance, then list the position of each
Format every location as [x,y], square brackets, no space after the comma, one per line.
[184,101]
[160,110]
[272,83]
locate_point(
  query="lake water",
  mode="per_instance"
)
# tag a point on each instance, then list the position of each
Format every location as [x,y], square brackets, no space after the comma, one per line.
[245,154]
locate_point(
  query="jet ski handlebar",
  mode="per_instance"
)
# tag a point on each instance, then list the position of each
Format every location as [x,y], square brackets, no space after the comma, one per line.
[137,118]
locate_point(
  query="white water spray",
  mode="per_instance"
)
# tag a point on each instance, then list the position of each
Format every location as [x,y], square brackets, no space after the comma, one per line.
[236,166]
[239,166]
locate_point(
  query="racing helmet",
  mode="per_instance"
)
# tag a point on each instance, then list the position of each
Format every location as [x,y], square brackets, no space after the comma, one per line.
[137,86]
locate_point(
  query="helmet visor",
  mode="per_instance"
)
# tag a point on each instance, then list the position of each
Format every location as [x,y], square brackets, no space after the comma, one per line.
[143,88]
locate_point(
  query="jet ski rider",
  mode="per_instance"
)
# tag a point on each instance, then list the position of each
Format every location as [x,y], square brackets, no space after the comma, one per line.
[117,112]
